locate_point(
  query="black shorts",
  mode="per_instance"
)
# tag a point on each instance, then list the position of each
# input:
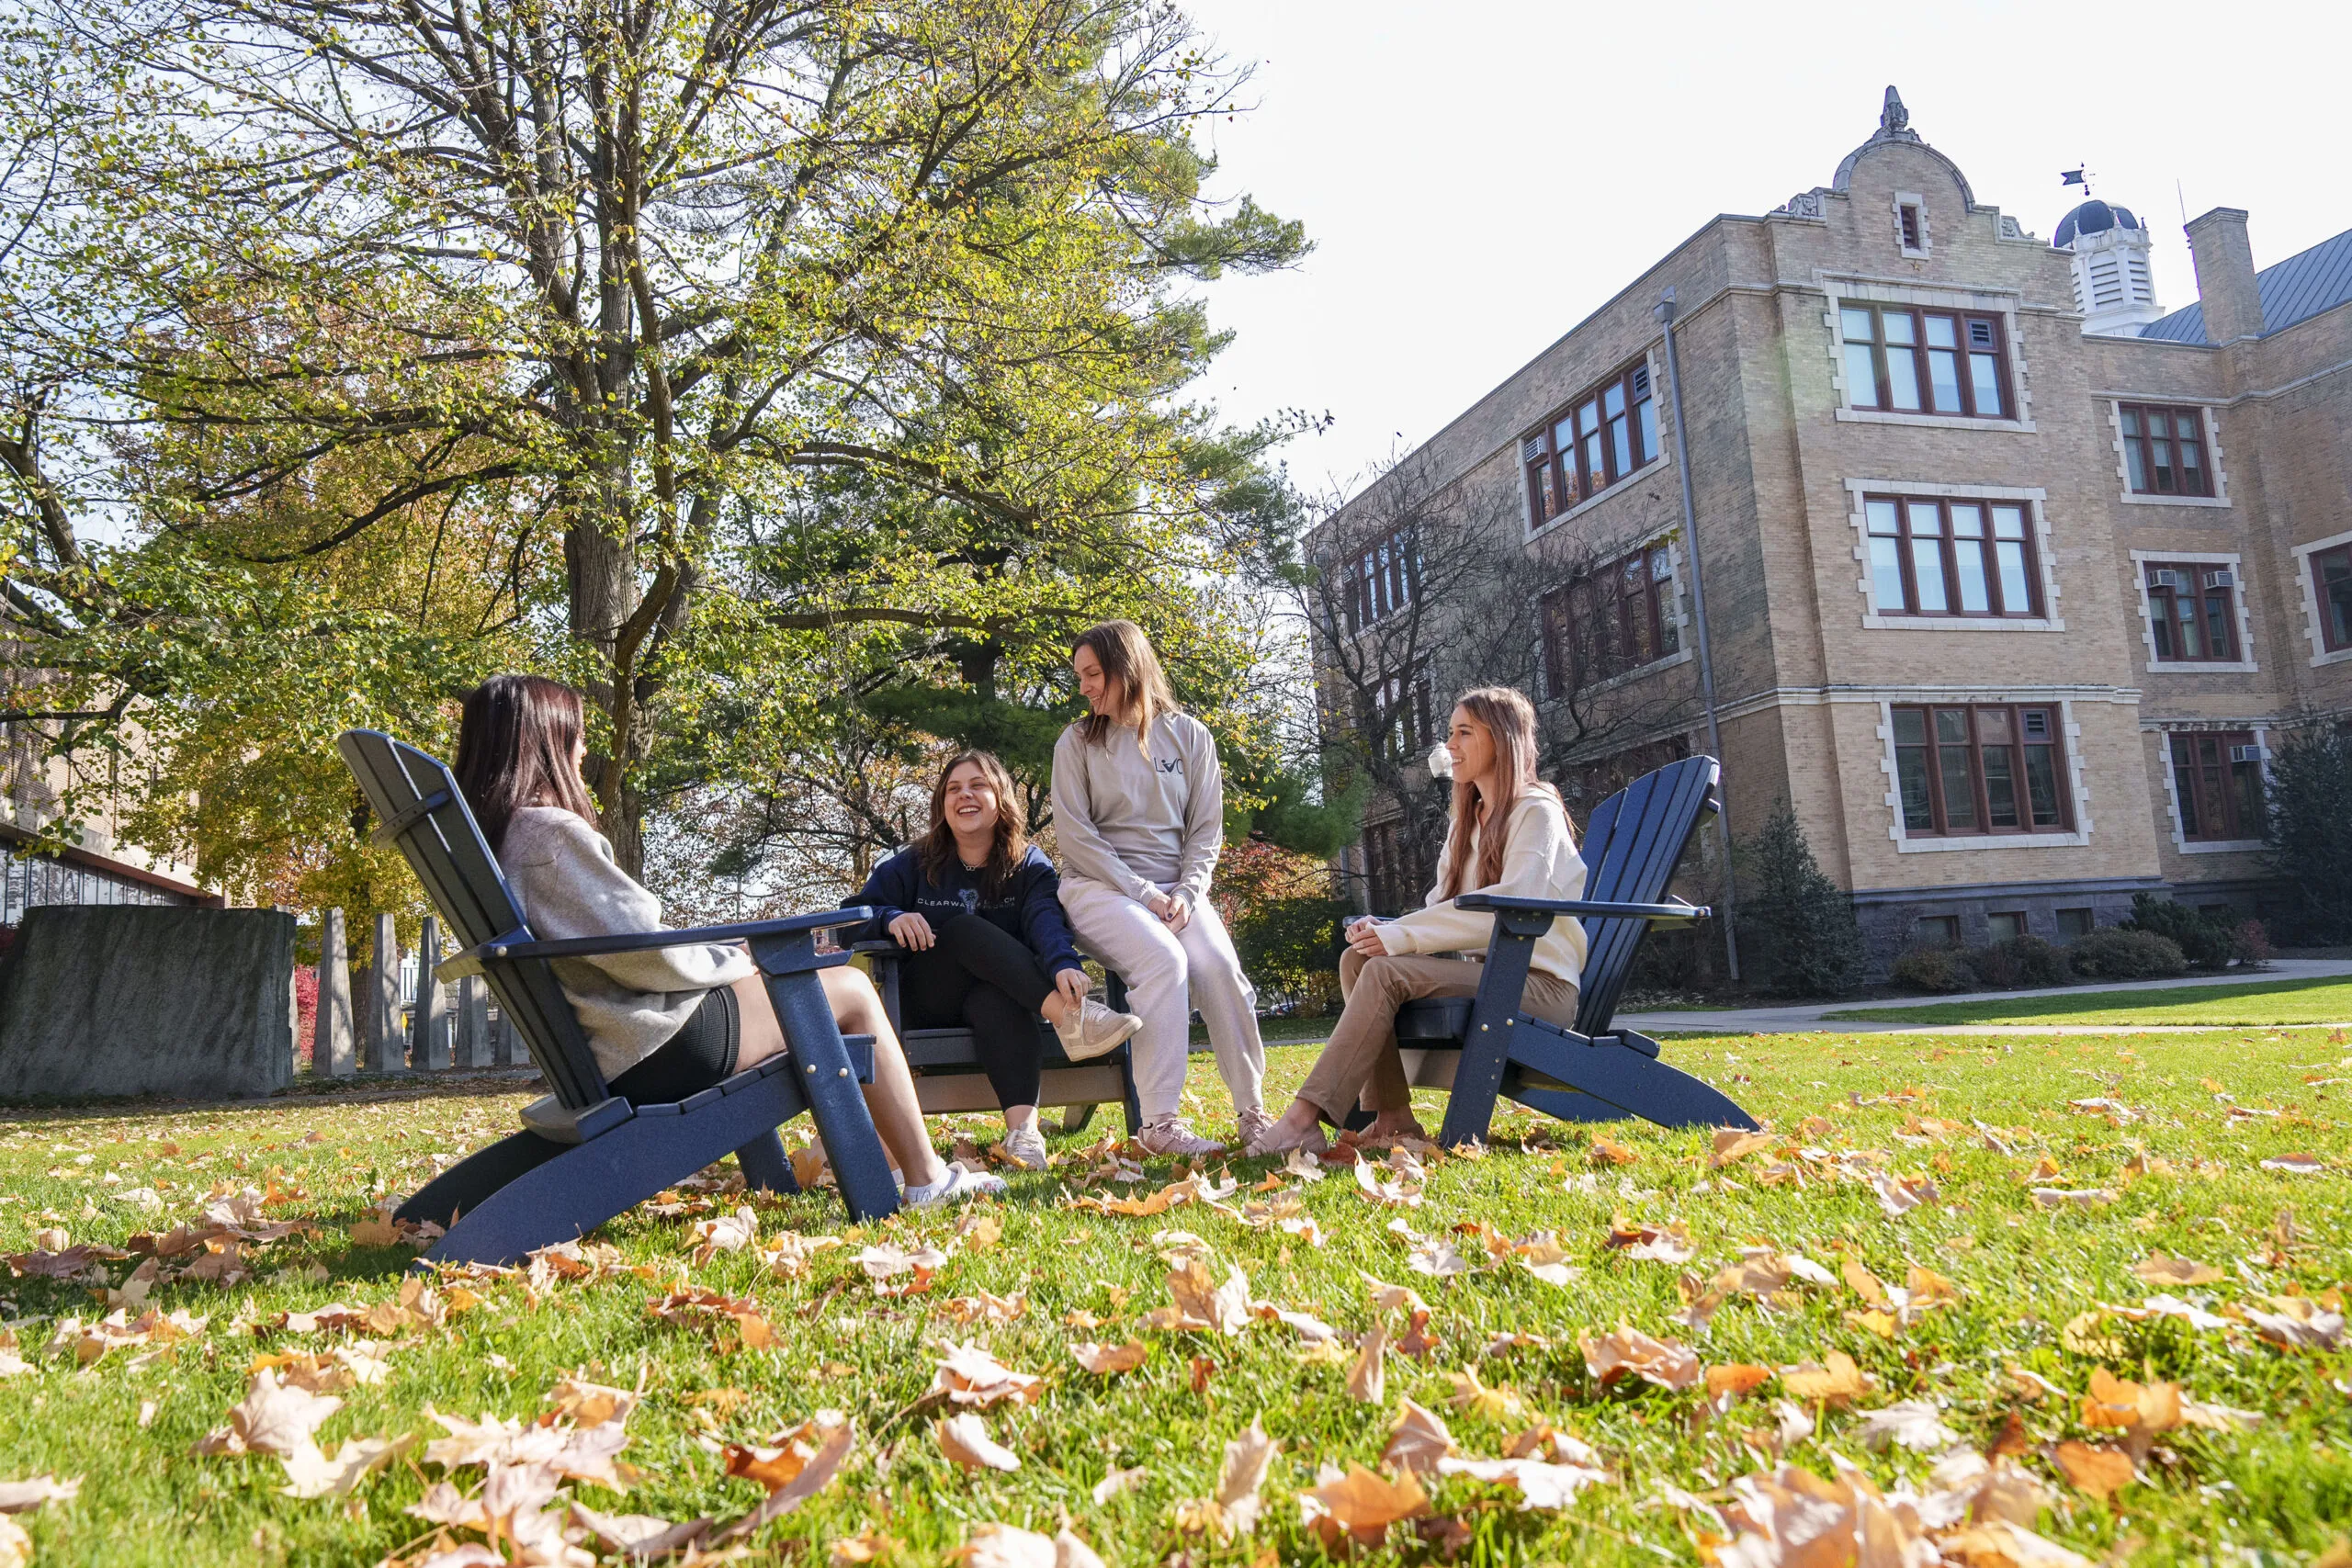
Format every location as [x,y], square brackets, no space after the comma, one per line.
[700,1055]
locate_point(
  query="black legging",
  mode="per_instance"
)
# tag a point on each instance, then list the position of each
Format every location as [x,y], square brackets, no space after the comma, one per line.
[980,976]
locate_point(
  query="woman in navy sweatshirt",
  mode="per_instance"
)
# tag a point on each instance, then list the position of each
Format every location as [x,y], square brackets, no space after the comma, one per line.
[978,909]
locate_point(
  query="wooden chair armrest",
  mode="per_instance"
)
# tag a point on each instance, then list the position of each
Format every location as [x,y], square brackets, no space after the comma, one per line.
[1673,913]
[646,941]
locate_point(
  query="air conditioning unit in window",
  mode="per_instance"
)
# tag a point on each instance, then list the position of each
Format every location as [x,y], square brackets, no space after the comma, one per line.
[2165,577]
[1641,380]
[2245,753]
[1531,449]
[2222,578]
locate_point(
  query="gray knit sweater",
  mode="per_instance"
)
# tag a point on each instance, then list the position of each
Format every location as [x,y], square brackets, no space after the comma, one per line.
[560,870]
[1134,816]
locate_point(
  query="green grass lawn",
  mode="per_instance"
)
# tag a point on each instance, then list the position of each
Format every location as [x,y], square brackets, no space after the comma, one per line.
[2166,1153]
[2325,1000]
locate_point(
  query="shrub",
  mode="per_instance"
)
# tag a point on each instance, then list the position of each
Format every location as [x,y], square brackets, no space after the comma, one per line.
[2115,953]
[2250,944]
[1934,969]
[2309,828]
[2019,961]
[2207,941]
[1797,926]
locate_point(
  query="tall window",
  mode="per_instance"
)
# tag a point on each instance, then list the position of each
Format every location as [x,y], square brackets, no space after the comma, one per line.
[1939,557]
[2332,581]
[2164,450]
[1381,578]
[2217,780]
[2193,612]
[1980,769]
[1619,618]
[1912,361]
[1392,868]
[1608,434]
[1395,716]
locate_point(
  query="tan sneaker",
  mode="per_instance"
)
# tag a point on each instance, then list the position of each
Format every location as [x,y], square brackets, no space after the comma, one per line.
[1095,1030]
[1169,1135]
[1251,1125]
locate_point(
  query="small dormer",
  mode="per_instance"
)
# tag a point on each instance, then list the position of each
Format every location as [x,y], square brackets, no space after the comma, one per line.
[2108,248]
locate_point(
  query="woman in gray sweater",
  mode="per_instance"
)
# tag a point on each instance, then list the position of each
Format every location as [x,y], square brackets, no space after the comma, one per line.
[671,1022]
[1139,820]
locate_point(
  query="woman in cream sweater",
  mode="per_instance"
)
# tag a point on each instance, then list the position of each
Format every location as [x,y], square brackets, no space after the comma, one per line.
[673,1022]
[1509,834]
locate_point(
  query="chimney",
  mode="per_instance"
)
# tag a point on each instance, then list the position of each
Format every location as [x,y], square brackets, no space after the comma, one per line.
[2225,282]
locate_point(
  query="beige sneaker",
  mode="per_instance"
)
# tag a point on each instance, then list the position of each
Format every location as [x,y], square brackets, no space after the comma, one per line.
[1169,1135]
[1251,1125]
[1095,1030]
[1027,1147]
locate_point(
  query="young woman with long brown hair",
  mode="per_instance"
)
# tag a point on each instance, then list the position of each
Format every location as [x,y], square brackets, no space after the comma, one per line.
[977,908]
[1509,834]
[674,1022]
[1139,817]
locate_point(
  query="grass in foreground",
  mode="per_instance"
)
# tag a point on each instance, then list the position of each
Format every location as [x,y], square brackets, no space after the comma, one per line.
[2167,1156]
[2324,1001]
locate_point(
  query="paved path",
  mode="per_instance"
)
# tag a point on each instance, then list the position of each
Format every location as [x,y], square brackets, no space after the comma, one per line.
[1808,1018]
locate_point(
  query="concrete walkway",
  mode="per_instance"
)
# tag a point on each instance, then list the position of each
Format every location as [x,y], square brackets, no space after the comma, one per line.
[1808,1018]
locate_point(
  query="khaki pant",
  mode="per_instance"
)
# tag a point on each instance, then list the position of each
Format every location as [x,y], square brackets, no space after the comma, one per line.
[1363,1060]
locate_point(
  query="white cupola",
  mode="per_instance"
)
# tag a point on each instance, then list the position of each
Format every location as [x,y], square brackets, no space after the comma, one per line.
[2110,250]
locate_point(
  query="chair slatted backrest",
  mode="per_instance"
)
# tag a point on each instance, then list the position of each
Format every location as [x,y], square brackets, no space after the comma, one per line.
[1632,843]
[424,811]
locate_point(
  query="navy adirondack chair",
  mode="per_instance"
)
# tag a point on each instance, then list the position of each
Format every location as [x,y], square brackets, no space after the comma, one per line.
[1484,1047]
[947,1069]
[585,1155]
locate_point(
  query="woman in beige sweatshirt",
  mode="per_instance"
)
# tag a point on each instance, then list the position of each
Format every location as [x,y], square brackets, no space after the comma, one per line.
[1510,834]
[670,1022]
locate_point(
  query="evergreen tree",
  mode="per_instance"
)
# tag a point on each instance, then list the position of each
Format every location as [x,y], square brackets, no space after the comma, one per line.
[1797,927]
[2309,827]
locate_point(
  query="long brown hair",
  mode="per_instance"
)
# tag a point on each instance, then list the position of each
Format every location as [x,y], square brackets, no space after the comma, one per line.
[935,850]
[1510,721]
[515,747]
[1126,657]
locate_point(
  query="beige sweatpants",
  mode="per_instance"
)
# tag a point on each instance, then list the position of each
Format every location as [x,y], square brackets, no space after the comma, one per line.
[1363,1060]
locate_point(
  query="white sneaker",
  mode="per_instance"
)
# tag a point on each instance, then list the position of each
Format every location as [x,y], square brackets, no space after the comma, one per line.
[959,1185]
[1027,1147]
[1169,1135]
[1095,1030]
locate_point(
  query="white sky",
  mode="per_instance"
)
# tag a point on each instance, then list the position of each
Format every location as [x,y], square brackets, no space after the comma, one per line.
[1479,175]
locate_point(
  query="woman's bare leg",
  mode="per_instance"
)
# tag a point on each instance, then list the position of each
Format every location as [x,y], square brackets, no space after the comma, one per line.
[890,1098]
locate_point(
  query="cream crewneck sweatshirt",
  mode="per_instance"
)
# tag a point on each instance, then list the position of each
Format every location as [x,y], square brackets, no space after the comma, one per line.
[1135,816]
[560,871]
[1539,862]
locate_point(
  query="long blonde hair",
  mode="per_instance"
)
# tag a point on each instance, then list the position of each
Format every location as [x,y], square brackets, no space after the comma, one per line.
[1510,721]
[1126,657]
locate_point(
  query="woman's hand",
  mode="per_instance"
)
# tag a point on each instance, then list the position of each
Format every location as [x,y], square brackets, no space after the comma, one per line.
[912,933]
[1174,913]
[1364,937]
[1071,985]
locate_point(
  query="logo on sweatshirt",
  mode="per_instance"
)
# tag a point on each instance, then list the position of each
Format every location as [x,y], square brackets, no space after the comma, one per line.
[1170,764]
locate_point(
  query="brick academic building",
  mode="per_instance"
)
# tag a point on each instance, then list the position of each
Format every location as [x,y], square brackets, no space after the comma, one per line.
[2014,581]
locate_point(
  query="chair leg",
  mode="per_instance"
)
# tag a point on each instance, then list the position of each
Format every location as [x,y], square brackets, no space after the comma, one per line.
[820,1071]
[584,1185]
[1075,1119]
[1567,1105]
[765,1168]
[465,1185]
[1639,1085]
[1134,1106]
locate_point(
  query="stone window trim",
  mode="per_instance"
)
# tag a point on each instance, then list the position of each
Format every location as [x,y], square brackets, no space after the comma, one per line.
[2163,732]
[2006,303]
[2142,559]
[2321,652]
[2125,493]
[2033,496]
[1914,236]
[2080,836]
